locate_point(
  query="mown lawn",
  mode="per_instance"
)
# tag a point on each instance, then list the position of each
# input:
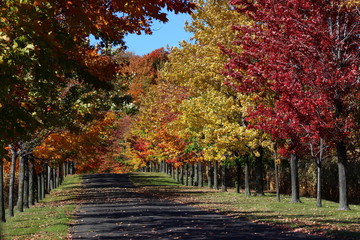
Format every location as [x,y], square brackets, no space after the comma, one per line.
[48,219]
[300,217]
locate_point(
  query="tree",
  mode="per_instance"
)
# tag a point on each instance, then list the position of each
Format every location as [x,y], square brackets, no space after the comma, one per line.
[215,113]
[45,43]
[144,72]
[2,197]
[304,55]
[22,162]
[44,46]
[85,147]
[14,154]
[150,137]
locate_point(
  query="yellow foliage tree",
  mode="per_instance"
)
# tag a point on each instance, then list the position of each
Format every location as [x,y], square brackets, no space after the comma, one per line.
[149,139]
[215,114]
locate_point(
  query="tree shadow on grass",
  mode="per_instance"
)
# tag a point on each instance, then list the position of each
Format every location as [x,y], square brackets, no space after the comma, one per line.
[288,222]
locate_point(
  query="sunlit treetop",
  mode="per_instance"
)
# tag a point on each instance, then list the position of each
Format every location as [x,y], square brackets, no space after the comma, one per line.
[214,115]
[309,66]
[198,64]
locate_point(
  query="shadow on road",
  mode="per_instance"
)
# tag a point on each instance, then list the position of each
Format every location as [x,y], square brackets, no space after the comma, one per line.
[113,209]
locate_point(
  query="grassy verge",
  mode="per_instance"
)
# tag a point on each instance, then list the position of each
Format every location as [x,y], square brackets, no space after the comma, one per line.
[48,219]
[300,217]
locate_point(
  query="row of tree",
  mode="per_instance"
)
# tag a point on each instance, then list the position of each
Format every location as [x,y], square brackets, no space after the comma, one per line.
[260,80]
[59,92]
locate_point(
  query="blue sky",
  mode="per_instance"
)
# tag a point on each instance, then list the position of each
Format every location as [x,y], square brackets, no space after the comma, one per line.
[170,33]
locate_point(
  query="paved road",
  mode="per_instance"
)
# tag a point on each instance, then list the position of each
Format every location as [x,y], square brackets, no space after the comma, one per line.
[112,209]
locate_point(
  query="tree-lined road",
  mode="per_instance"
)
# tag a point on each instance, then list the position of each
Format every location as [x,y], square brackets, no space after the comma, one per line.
[113,209]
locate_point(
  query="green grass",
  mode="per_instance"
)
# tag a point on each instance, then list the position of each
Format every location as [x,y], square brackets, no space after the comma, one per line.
[48,219]
[302,217]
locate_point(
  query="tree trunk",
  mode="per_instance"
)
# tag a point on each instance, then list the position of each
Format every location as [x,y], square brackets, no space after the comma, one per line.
[54,184]
[186,174]
[196,174]
[61,173]
[26,182]
[35,189]
[43,185]
[39,194]
[259,175]
[208,174]
[70,168]
[173,171]
[247,178]
[151,166]
[295,195]
[342,163]
[216,168]
[20,202]
[2,204]
[32,180]
[318,185]
[192,170]
[73,168]
[44,179]
[200,175]
[157,166]
[66,168]
[223,178]
[48,179]
[58,176]
[14,155]
[182,174]
[177,175]
[277,180]
[238,176]
[52,178]
[55,175]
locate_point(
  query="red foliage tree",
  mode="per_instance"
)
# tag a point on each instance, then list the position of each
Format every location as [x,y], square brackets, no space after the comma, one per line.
[304,55]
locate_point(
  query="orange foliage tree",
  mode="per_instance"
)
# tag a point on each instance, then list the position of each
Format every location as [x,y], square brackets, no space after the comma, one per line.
[143,71]
[150,138]
[86,148]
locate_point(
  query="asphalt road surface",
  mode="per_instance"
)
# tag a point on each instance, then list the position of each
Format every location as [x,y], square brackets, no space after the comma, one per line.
[112,209]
